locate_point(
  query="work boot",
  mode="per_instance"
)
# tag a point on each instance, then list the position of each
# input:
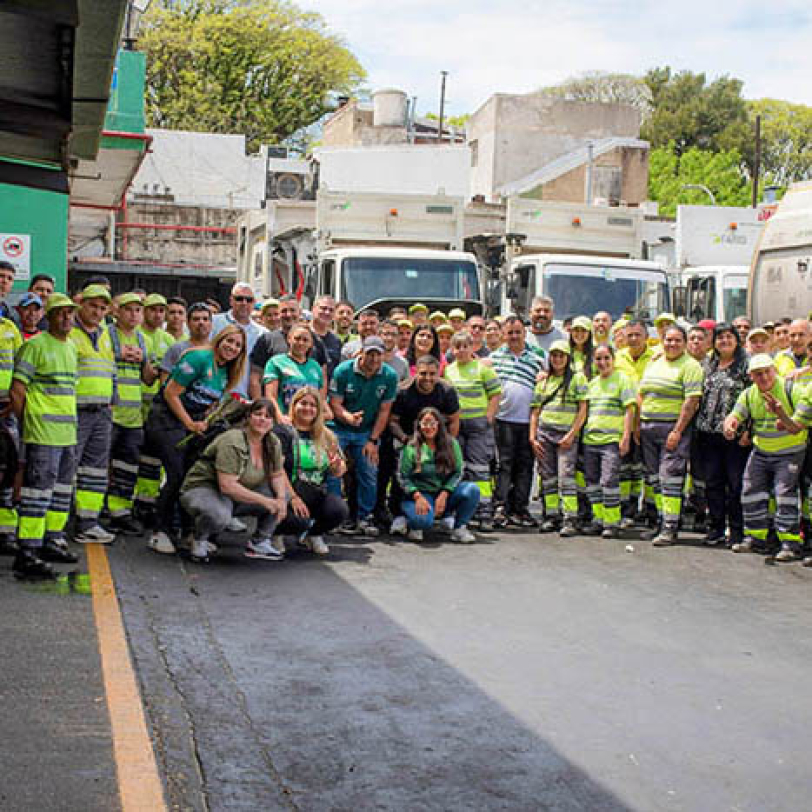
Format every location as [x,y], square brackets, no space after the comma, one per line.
[51,551]
[748,545]
[551,525]
[126,525]
[30,567]
[591,529]
[665,538]
[788,552]
[8,546]
[568,529]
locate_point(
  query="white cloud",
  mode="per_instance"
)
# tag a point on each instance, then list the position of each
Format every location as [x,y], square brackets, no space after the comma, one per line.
[515,46]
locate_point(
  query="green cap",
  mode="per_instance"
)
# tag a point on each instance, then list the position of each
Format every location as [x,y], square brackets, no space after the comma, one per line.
[665,317]
[582,321]
[438,314]
[59,300]
[444,328]
[418,307]
[154,299]
[760,361]
[561,346]
[457,313]
[96,292]
[128,298]
[270,303]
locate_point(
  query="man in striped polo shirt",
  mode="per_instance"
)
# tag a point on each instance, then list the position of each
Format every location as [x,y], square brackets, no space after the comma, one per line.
[517,368]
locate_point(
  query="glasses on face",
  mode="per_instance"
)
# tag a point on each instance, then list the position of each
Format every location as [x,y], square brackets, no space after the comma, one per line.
[429,423]
[243,298]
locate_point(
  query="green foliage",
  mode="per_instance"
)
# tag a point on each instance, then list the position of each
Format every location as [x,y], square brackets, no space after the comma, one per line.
[258,67]
[720,171]
[689,112]
[786,135]
[610,88]
[451,121]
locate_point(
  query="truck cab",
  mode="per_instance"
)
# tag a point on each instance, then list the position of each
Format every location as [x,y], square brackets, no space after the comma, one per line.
[715,292]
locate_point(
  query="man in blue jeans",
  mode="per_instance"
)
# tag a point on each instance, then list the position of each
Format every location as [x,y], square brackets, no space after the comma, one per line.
[361,394]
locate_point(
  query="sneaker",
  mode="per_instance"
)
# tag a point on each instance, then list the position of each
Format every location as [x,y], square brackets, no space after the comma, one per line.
[200,551]
[650,533]
[399,527]
[500,519]
[592,529]
[551,526]
[525,519]
[161,543]
[415,535]
[748,545]
[349,528]
[787,553]
[665,538]
[807,562]
[486,525]
[30,567]
[263,549]
[236,526]
[446,524]
[610,533]
[713,538]
[568,529]
[95,535]
[317,545]
[51,550]
[463,535]
[367,527]
[126,525]
[626,523]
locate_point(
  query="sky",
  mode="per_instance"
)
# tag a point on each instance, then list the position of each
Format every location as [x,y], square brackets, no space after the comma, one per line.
[516,46]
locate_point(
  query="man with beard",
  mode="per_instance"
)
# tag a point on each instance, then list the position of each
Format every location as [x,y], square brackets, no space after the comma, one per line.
[542,333]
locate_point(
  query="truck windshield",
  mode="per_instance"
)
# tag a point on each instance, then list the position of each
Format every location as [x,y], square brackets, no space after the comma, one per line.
[585,289]
[368,279]
[735,297]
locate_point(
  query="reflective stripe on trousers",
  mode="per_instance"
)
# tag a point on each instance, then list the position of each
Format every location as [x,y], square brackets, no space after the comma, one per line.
[602,471]
[665,470]
[125,450]
[557,471]
[94,433]
[763,475]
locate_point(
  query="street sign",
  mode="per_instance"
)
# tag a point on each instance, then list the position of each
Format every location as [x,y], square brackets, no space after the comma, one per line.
[16,249]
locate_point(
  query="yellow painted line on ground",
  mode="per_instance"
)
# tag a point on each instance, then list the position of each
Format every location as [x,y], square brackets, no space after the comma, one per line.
[139,783]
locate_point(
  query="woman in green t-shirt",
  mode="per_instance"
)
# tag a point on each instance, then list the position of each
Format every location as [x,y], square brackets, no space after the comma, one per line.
[311,453]
[239,474]
[558,411]
[607,435]
[195,386]
[287,373]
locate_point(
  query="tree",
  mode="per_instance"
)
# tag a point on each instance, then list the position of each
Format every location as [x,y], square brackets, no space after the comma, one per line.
[258,67]
[786,137]
[721,172]
[689,112]
[610,88]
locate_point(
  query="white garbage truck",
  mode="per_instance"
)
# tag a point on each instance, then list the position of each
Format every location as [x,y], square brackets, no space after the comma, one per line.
[370,249]
[586,258]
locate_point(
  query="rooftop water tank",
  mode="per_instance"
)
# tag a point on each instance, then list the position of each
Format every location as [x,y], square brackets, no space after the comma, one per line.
[389,108]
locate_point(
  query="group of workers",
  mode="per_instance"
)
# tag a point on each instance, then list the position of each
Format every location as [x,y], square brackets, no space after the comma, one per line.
[140,415]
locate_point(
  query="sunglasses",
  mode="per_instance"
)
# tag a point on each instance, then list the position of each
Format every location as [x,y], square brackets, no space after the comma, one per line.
[243,298]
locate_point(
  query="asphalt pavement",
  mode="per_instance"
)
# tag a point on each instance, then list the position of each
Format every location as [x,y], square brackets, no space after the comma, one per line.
[525,672]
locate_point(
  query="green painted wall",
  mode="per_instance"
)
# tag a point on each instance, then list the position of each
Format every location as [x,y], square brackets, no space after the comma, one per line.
[43,215]
[125,109]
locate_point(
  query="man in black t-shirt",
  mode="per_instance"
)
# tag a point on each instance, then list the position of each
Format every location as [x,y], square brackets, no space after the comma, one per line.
[426,389]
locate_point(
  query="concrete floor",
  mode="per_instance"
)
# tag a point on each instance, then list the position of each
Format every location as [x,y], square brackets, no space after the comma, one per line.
[525,673]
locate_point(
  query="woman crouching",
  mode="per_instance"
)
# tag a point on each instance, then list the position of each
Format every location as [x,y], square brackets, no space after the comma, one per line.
[239,474]
[430,474]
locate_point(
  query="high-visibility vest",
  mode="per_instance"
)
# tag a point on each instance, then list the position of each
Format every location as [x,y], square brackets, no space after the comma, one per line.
[127,406]
[97,367]
[157,343]
[10,342]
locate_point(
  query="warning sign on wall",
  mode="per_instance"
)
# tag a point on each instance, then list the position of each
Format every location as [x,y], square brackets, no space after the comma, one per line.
[16,249]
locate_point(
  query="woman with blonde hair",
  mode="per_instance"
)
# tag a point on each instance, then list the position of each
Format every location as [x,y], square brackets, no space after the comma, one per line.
[311,453]
[197,383]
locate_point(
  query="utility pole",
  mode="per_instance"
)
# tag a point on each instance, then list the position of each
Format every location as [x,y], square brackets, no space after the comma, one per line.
[443,74]
[590,168]
[757,166]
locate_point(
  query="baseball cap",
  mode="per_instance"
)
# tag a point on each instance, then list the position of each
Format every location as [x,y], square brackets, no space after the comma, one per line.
[444,328]
[128,298]
[457,313]
[760,361]
[758,331]
[30,298]
[561,346]
[418,307]
[438,314]
[708,324]
[582,321]
[405,323]
[96,292]
[154,299]
[269,303]
[373,343]
[665,317]
[59,300]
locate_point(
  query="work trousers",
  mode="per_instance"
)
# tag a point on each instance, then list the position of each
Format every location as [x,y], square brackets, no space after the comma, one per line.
[327,511]
[9,466]
[461,504]
[515,473]
[478,450]
[94,432]
[163,433]
[125,449]
[772,473]
[46,493]
[723,463]
[665,470]
[602,472]
[632,482]
[352,444]
[557,469]
[213,510]
[387,470]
